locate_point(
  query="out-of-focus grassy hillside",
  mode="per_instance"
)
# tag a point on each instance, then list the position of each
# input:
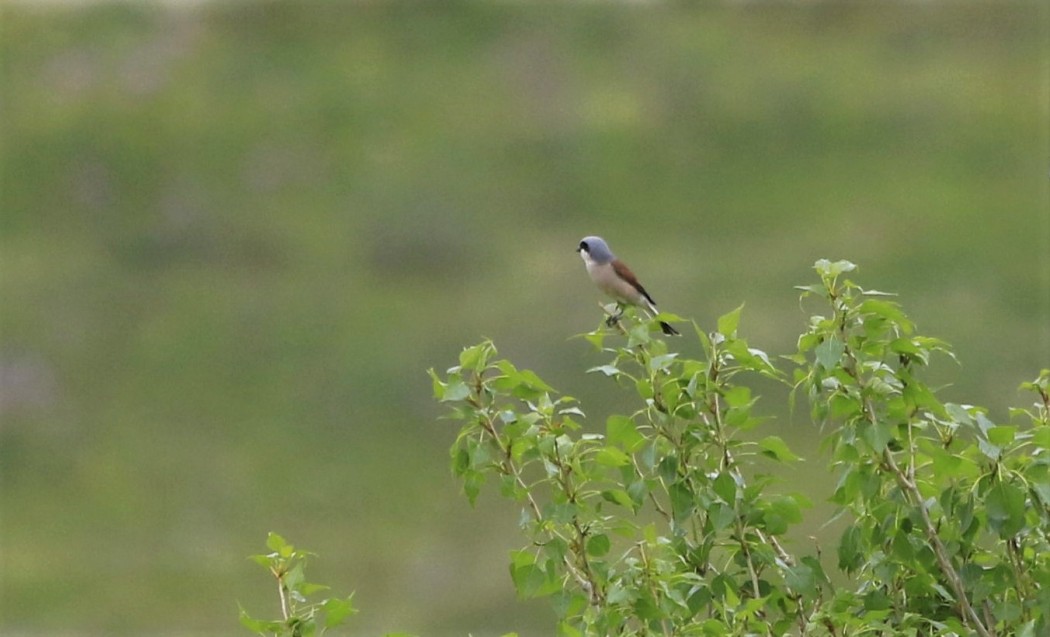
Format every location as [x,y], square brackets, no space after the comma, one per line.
[235,236]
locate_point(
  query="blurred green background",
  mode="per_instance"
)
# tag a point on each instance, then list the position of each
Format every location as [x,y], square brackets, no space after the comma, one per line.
[234,237]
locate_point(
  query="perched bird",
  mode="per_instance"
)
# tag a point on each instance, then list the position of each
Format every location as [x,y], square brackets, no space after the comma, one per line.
[614,278]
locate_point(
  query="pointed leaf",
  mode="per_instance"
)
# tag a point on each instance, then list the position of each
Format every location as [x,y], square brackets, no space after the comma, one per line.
[774,447]
[621,431]
[727,323]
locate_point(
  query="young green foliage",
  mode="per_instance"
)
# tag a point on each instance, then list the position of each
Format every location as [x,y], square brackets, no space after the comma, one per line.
[300,615]
[651,527]
[949,510]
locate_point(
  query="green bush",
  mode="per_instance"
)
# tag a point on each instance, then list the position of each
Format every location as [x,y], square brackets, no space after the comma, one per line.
[301,616]
[667,524]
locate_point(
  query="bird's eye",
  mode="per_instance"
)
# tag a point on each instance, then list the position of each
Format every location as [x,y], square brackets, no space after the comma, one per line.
[584,246]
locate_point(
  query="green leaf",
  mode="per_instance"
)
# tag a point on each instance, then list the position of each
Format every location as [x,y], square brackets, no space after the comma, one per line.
[906,346]
[807,342]
[1001,435]
[725,486]
[309,589]
[612,457]
[682,503]
[608,370]
[946,463]
[983,423]
[455,390]
[877,600]
[460,462]
[555,549]
[475,358]
[644,388]
[781,512]
[618,496]
[662,362]
[522,383]
[618,594]
[756,356]
[993,452]
[775,448]
[877,435]
[801,578]
[959,414]
[1041,438]
[277,544]
[621,430]
[638,490]
[337,610]
[598,545]
[720,515]
[738,396]
[436,384]
[561,512]
[1005,507]
[850,549]
[727,323]
[831,269]
[294,577]
[260,626]
[638,335]
[574,411]
[829,353]
[597,339]
[565,629]
[533,381]
[732,599]
[522,567]
[472,482]
[888,311]
[263,560]
[668,468]
[810,289]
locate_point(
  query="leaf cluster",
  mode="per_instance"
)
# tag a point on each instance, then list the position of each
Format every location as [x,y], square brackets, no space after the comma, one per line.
[301,616]
[949,511]
[668,523]
[651,526]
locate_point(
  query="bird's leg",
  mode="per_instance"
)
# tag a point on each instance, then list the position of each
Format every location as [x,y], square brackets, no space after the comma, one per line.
[614,318]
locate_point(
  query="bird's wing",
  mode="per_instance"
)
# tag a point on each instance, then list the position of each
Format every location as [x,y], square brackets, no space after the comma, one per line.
[625,273]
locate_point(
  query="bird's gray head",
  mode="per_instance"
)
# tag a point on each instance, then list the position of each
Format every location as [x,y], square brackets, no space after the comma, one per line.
[596,249]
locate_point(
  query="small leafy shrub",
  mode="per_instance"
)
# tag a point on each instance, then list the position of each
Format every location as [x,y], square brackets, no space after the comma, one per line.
[665,523]
[300,616]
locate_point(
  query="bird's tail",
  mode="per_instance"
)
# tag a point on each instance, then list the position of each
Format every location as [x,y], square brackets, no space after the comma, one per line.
[665,327]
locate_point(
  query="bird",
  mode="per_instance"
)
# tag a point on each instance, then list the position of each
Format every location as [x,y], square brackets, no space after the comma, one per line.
[614,278]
